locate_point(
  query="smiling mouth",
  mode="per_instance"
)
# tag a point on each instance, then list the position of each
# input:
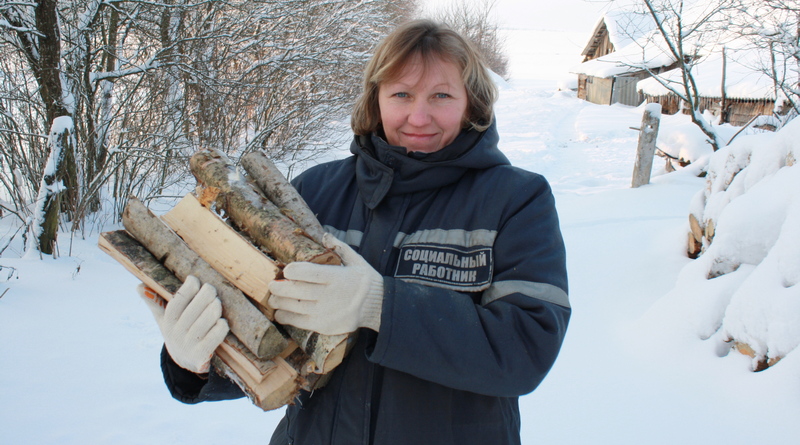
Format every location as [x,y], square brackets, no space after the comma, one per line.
[419,136]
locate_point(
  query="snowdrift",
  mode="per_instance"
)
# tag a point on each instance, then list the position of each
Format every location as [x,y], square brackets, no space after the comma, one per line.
[743,288]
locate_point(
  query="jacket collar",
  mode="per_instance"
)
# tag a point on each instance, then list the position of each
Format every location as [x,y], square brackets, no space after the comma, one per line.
[385,170]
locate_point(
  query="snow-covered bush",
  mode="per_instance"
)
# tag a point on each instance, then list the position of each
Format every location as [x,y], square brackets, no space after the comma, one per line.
[744,285]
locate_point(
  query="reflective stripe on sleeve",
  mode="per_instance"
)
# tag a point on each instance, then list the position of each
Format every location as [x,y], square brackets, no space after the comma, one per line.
[541,291]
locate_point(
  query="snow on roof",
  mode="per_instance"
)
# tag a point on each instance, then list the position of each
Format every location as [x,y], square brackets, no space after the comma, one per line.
[623,25]
[647,52]
[743,76]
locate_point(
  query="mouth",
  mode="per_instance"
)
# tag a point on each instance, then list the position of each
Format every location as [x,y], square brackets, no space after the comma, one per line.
[419,135]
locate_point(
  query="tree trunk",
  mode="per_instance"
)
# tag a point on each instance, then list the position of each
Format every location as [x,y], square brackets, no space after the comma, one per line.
[245,320]
[46,61]
[44,226]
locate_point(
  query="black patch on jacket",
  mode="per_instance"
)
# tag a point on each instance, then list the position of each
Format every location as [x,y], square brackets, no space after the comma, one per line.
[455,267]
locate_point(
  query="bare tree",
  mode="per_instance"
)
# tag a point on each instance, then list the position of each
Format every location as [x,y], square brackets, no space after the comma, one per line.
[474,19]
[773,28]
[689,29]
[141,84]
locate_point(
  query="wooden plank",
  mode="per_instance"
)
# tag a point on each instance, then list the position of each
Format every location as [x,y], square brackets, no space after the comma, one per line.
[227,251]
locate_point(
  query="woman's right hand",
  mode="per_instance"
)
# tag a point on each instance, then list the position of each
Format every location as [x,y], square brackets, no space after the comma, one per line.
[191,323]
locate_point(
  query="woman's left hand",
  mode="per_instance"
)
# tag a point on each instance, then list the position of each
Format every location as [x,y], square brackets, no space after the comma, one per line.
[326,299]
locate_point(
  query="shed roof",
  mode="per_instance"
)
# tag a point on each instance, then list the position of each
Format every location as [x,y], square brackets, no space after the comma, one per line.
[622,26]
[647,52]
[744,77]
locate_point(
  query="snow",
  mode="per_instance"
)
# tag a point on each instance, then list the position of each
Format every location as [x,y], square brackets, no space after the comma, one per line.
[743,76]
[644,360]
[647,52]
[625,25]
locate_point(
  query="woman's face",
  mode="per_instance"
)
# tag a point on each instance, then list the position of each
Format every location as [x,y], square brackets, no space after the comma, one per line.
[424,108]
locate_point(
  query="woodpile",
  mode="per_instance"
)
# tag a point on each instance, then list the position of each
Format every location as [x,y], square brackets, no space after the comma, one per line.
[266,225]
[745,322]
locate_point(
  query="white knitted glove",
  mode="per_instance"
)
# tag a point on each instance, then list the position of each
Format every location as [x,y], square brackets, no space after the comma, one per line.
[191,323]
[329,299]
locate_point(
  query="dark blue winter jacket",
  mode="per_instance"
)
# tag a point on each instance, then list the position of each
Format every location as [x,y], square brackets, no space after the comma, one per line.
[475,306]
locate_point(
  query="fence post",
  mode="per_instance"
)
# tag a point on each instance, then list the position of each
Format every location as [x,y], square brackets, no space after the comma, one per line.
[648,133]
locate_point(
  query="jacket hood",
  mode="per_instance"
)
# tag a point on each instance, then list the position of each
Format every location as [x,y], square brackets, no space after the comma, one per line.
[386,170]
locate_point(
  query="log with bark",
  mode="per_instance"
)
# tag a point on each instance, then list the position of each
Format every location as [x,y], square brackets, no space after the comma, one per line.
[277,188]
[254,214]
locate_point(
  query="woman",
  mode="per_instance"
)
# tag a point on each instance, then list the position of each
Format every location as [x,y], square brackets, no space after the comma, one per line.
[454,269]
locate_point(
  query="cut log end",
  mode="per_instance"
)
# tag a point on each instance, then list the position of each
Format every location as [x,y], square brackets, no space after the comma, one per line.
[760,363]
[695,247]
[327,258]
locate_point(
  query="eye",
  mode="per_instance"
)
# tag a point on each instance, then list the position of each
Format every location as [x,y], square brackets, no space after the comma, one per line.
[401,95]
[441,95]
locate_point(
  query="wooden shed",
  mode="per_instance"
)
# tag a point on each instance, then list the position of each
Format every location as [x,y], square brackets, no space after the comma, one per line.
[611,90]
[616,59]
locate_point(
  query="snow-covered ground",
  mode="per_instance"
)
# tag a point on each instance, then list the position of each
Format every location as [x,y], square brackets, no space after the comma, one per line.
[79,351]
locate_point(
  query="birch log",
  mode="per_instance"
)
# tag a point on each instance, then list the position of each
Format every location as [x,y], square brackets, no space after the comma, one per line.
[278,189]
[246,322]
[254,214]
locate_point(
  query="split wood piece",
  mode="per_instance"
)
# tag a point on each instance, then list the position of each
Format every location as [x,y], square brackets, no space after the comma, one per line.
[254,214]
[278,189]
[696,228]
[245,321]
[220,245]
[227,251]
[270,383]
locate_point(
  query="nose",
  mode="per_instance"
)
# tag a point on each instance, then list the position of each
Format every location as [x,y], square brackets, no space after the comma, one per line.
[420,113]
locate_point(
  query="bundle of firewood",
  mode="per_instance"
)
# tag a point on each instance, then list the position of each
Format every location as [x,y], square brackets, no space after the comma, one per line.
[236,232]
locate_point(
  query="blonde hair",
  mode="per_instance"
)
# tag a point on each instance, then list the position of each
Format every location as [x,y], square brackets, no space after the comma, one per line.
[429,41]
